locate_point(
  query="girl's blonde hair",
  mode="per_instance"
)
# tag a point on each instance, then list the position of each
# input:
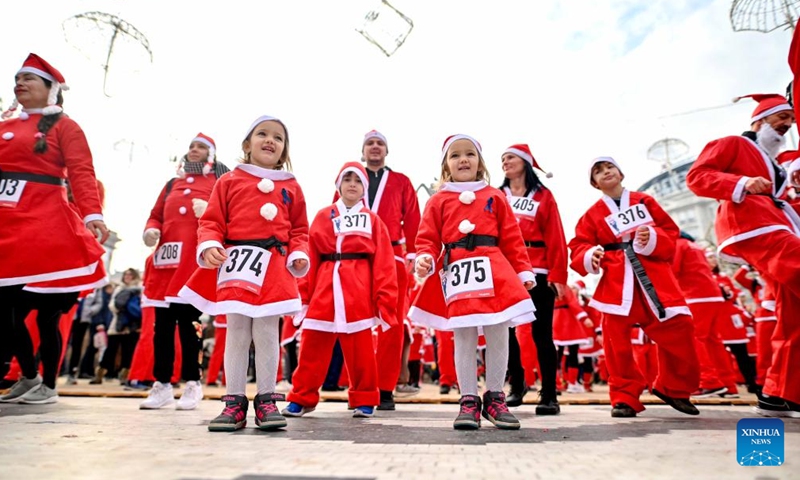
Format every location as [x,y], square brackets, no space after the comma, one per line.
[445,176]
[284,163]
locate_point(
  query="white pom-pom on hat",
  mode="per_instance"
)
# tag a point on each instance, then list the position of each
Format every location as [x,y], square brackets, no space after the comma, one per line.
[269,211]
[466,227]
[467,197]
[523,151]
[266,185]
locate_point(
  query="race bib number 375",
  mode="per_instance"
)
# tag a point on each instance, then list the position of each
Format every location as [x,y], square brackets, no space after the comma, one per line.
[468,278]
[168,255]
[628,220]
[11,192]
[245,267]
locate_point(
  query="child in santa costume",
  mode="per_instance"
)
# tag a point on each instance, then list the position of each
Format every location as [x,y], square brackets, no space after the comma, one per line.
[350,288]
[39,149]
[471,255]
[632,239]
[763,319]
[172,229]
[537,214]
[252,247]
[569,333]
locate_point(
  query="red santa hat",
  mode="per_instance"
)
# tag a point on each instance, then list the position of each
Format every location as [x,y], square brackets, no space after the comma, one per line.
[38,66]
[601,160]
[524,152]
[768,104]
[208,142]
[375,134]
[453,138]
[356,168]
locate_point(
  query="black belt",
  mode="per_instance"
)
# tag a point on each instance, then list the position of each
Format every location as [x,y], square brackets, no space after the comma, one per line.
[335,257]
[396,243]
[534,244]
[265,243]
[469,242]
[560,306]
[32,177]
[638,270]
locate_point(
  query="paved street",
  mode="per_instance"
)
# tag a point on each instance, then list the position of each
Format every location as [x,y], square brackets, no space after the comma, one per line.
[102,438]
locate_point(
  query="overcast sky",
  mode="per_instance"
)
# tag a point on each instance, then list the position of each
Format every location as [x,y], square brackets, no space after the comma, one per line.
[574,79]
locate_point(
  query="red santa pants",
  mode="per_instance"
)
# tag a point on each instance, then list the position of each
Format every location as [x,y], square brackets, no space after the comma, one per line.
[316,349]
[646,356]
[216,362]
[390,342]
[714,359]
[776,256]
[678,373]
[764,331]
[527,352]
[446,352]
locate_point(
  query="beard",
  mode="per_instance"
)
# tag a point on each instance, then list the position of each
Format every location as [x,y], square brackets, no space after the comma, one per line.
[770,140]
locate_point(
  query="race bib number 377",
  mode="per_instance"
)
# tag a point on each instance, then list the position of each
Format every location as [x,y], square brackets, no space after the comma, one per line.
[468,278]
[628,220]
[168,255]
[11,192]
[353,224]
[245,267]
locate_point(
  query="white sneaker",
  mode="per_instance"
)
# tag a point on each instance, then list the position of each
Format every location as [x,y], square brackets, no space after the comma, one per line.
[192,394]
[575,388]
[405,390]
[283,386]
[40,395]
[23,386]
[160,395]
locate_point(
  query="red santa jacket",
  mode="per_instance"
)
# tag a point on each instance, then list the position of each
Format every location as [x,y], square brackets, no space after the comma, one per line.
[614,293]
[349,295]
[693,273]
[720,172]
[248,204]
[543,233]
[568,318]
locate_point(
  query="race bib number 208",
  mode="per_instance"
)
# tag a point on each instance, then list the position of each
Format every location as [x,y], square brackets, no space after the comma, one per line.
[468,278]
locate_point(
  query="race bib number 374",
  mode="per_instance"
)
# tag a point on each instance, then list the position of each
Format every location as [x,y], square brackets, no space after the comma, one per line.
[245,267]
[468,278]
[628,220]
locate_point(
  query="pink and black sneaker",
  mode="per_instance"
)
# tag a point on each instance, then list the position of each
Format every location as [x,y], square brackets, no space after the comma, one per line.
[496,411]
[268,417]
[233,416]
[469,418]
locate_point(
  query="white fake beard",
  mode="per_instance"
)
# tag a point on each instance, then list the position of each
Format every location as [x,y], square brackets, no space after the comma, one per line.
[770,140]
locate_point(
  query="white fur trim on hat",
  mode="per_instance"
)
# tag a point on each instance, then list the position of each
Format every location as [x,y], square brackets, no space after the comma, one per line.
[520,154]
[266,185]
[263,118]
[269,211]
[771,111]
[455,138]
[466,197]
[378,135]
[466,227]
[601,160]
[359,173]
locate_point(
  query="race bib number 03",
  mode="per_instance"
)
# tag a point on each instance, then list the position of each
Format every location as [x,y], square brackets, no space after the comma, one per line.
[245,267]
[524,207]
[168,255]
[10,192]
[468,278]
[353,224]
[628,220]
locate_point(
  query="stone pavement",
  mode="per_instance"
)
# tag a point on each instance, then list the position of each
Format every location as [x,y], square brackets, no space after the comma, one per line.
[109,438]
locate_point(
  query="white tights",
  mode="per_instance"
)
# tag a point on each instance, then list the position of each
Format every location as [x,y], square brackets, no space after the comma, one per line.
[466,345]
[263,332]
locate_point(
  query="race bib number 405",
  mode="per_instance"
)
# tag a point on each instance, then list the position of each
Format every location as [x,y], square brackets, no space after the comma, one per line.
[11,192]
[168,255]
[245,267]
[628,220]
[524,207]
[353,224]
[468,278]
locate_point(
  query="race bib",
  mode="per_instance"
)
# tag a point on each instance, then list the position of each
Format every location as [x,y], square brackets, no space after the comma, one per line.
[628,220]
[353,224]
[737,320]
[11,191]
[524,207]
[168,255]
[245,267]
[468,278]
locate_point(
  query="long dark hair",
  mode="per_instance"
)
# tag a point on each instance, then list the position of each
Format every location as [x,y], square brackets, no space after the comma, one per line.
[532,182]
[46,123]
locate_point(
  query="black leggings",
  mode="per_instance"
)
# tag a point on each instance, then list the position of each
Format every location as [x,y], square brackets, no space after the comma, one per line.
[290,361]
[164,342]
[572,356]
[544,298]
[745,362]
[125,342]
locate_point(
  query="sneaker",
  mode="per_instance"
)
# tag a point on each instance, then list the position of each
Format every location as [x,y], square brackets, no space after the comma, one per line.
[71,380]
[729,395]
[682,405]
[267,415]
[99,374]
[363,412]
[39,395]
[296,410]
[496,411]
[192,394]
[710,392]
[23,386]
[548,405]
[233,416]
[444,389]
[137,385]
[406,390]
[387,401]
[283,386]
[623,410]
[514,399]
[574,388]
[769,406]
[469,417]
[160,395]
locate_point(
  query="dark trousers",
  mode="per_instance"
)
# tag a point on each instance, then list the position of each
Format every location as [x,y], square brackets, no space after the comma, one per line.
[745,362]
[290,360]
[544,298]
[184,317]
[572,355]
[79,330]
[334,368]
[126,343]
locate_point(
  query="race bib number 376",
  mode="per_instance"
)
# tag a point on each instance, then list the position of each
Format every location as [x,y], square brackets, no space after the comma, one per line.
[468,278]
[245,267]
[11,192]
[628,220]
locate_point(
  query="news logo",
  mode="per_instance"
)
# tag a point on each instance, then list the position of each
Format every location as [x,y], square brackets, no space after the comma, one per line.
[759,442]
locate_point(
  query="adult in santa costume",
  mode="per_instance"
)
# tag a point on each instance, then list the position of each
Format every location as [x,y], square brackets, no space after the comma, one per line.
[172,230]
[632,239]
[537,214]
[755,226]
[39,149]
[350,288]
[252,246]
[476,271]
